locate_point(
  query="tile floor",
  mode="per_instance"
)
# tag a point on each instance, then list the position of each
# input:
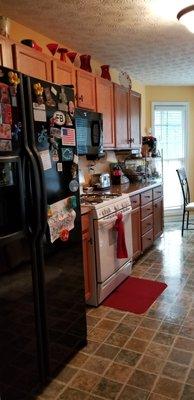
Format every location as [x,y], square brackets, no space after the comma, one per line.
[140,357]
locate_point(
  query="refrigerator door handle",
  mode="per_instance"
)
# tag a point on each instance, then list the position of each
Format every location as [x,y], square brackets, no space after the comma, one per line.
[32,193]
[43,202]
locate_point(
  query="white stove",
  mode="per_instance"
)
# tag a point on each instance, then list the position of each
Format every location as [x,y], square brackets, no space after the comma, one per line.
[108,271]
[103,205]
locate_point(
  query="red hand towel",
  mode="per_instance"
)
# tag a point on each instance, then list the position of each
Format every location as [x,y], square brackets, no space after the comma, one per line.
[121,245]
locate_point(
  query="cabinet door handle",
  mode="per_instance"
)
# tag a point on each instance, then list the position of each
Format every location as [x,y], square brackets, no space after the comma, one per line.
[149,239]
[134,201]
[90,241]
[148,224]
[148,209]
[131,140]
[147,197]
[81,98]
[156,205]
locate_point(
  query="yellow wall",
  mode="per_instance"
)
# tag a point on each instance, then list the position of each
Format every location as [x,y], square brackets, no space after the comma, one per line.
[175,93]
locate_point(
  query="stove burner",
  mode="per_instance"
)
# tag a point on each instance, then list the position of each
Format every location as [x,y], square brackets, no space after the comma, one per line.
[97,197]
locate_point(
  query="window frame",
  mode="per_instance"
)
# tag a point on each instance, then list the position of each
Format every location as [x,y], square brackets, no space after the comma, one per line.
[186,139]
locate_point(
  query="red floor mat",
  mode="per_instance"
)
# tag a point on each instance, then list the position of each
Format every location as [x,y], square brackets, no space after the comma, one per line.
[135,295]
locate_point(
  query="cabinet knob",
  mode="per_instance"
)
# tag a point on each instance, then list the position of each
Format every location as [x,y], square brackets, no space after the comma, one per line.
[131,140]
[81,98]
[147,197]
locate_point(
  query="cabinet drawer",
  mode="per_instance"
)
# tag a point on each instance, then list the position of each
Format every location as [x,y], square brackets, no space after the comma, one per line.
[147,224]
[147,240]
[135,201]
[146,197]
[146,210]
[85,222]
[157,192]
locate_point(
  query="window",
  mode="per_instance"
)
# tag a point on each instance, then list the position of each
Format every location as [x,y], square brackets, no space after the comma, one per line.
[170,129]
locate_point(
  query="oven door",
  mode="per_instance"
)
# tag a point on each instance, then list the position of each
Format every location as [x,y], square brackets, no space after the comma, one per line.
[107,262]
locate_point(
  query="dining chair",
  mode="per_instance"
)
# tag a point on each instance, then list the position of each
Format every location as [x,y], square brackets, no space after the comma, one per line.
[188,206]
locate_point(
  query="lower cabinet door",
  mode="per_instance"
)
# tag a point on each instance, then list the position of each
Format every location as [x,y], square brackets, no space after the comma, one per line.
[136,232]
[147,240]
[158,217]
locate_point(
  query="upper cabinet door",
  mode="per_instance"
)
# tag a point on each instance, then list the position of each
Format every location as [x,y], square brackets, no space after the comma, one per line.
[63,74]
[32,62]
[135,118]
[104,105]
[121,100]
[6,58]
[86,96]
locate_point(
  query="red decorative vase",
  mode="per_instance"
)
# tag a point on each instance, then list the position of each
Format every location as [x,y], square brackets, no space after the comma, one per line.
[105,72]
[62,51]
[71,55]
[52,47]
[85,62]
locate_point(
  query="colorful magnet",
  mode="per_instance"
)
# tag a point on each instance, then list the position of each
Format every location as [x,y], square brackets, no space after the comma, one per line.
[38,89]
[5,145]
[63,105]
[75,159]
[50,102]
[73,201]
[6,112]
[53,90]
[71,108]
[55,132]
[14,80]
[13,96]
[64,234]
[39,111]
[42,136]
[4,93]
[5,131]
[74,170]
[73,185]
[17,131]
[59,167]
[66,154]
[68,120]
[59,118]
[68,136]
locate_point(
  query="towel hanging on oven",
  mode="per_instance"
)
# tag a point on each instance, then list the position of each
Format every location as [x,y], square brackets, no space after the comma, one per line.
[121,245]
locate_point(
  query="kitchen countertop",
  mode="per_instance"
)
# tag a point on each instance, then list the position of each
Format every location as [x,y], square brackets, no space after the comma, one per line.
[133,188]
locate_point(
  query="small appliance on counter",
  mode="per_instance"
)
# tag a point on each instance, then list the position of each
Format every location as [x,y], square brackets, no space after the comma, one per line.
[117,175]
[101,181]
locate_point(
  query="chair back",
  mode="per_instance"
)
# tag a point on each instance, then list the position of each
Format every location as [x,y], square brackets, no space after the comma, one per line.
[184,185]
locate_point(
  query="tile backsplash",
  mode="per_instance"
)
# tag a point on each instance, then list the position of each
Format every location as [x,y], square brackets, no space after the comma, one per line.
[90,167]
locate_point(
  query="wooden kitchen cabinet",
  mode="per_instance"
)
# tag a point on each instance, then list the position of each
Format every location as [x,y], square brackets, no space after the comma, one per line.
[158,211]
[135,118]
[85,90]
[32,62]
[104,104]
[146,219]
[136,225]
[6,58]
[86,255]
[62,73]
[121,102]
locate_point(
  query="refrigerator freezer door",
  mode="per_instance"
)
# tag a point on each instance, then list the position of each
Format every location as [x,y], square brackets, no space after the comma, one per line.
[52,140]
[21,366]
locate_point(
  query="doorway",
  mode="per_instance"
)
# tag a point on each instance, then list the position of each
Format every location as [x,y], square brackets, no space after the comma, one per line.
[170,127]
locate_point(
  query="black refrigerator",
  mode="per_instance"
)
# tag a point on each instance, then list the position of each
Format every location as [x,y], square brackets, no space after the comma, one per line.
[42,305]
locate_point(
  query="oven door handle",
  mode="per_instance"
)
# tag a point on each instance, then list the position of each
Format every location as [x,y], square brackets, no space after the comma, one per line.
[107,221]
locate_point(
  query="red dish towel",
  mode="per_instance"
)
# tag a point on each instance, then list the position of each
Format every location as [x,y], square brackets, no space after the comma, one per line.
[121,245]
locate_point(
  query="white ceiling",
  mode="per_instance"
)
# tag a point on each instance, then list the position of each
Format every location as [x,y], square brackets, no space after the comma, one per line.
[141,37]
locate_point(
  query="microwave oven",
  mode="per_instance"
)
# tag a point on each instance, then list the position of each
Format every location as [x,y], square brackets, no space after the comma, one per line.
[89,133]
